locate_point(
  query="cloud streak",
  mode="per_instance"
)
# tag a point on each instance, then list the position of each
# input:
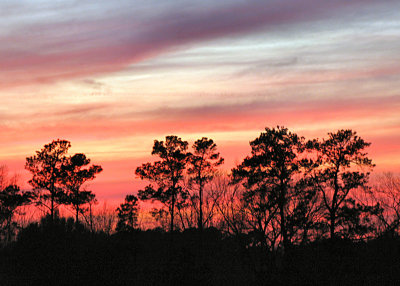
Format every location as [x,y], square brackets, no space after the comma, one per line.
[80,44]
[95,120]
[112,76]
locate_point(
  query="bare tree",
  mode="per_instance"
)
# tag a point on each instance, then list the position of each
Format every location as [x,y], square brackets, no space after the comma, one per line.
[102,218]
[386,192]
[226,199]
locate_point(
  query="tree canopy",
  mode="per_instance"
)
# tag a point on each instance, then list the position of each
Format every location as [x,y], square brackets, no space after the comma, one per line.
[203,163]
[166,173]
[46,171]
[268,178]
[75,172]
[128,214]
[343,167]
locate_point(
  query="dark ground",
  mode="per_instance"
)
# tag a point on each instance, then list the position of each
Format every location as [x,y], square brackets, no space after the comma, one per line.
[58,254]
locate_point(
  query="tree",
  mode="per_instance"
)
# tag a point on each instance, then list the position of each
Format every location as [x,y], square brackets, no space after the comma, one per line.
[268,178]
[46,171]
[7,180]
[11,198]
[342,164]
[128,214]
[227,200]
[386,192]
[304,209]
[167,173]
[102,219]
[75,172]
[203,163]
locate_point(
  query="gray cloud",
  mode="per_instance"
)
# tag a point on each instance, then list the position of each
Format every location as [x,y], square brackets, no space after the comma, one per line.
[47,42]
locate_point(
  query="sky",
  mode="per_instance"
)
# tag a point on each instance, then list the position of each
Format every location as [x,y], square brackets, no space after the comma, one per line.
[112,76]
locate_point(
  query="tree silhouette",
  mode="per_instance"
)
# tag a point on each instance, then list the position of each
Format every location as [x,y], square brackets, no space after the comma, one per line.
[304,211]
[5,179]
[227,199]
[203,163]
[166,173]
[339,156]
[11,198]
[386,192]
[128,214]
[75,172]
[267,176]
[45,168]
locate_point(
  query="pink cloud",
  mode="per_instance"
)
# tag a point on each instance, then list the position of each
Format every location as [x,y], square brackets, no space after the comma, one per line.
[228,117]
[78,48]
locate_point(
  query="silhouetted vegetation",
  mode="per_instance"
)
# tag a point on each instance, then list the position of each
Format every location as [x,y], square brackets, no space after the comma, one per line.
[11,198]
[128,214]
[268,178]
[45,167]
[202,168]
[166,173]
[335,177]
[73,176]
[293,212]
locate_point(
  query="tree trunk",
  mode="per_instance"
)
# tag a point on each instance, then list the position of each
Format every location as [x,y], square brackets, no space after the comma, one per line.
[9,221]
[52,207]
[201,206]
[332,225]
[282,203]
[283,228]
[334,205]
[90,217]
[171,228]
[77,215]
[305,236]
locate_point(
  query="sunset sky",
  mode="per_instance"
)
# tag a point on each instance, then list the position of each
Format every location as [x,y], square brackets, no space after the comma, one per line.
[112,76]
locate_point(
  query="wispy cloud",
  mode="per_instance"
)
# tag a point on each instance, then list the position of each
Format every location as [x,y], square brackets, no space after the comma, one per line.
[111,76]
[47,42]
[95,121]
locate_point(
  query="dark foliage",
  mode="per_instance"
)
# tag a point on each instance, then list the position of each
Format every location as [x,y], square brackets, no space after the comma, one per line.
[291,217]
[45,168]
[59,253]
[127,214]
[268,178]
[166,173]
[343,168]
[203,165]
[74,173]
[11,198]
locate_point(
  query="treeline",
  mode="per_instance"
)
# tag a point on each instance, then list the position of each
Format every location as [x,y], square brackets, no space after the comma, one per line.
[293,212]
[288,191]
